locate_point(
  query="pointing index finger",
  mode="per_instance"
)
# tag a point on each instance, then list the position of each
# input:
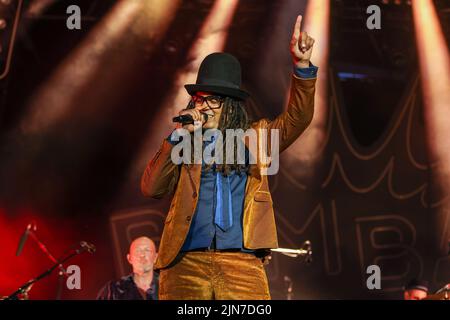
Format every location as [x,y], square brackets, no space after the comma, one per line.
[298,23]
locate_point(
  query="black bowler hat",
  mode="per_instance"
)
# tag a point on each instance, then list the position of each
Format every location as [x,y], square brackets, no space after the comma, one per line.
[219,73]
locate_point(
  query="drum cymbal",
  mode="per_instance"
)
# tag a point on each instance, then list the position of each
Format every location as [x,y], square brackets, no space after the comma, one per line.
[442,294]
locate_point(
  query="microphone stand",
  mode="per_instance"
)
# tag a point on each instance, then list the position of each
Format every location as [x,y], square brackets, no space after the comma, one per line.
[289,291]
[62,272]
[305,252]
[23,290]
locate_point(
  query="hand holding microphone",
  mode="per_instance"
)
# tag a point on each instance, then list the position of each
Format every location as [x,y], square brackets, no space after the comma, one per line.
[187,118]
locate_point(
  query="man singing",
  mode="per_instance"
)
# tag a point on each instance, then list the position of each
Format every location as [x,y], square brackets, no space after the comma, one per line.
[221,223]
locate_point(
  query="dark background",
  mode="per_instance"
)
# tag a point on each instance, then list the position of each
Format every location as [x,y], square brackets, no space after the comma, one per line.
[370,201]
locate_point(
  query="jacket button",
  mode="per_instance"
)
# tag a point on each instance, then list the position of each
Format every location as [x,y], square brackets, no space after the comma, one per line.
[188,218]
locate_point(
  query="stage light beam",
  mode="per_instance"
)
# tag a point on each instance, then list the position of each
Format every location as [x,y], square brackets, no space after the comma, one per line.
[434,66]
[61,96]
[212,38]
[307,149]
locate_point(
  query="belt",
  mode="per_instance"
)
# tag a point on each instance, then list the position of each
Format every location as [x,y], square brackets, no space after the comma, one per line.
[214,250]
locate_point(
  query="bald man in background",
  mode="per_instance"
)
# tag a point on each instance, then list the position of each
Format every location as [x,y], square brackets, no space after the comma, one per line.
[142,283]
[416,289]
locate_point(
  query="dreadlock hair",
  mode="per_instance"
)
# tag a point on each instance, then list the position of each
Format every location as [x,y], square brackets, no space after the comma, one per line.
[234,116]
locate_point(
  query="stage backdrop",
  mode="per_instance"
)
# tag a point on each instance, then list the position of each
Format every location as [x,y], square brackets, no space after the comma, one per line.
[361,207]
[82,112]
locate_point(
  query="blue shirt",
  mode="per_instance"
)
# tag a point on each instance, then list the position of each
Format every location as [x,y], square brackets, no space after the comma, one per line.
[203,229]
[306,73]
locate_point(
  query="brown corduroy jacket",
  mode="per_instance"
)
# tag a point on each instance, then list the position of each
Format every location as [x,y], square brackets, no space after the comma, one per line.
[162,177]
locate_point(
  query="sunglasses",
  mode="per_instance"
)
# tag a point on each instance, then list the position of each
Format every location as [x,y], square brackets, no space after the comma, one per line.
[213,102]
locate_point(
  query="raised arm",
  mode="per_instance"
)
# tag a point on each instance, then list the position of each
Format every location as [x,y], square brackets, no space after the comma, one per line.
[300,110]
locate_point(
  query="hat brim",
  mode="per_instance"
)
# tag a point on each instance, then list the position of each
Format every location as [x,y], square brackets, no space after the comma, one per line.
[231,92]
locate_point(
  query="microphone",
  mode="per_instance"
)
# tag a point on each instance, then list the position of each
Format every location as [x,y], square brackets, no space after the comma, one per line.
[89,247]
[187,118]
[24,238]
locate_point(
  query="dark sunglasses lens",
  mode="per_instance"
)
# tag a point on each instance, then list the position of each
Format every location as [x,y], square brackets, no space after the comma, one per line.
[214,102]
